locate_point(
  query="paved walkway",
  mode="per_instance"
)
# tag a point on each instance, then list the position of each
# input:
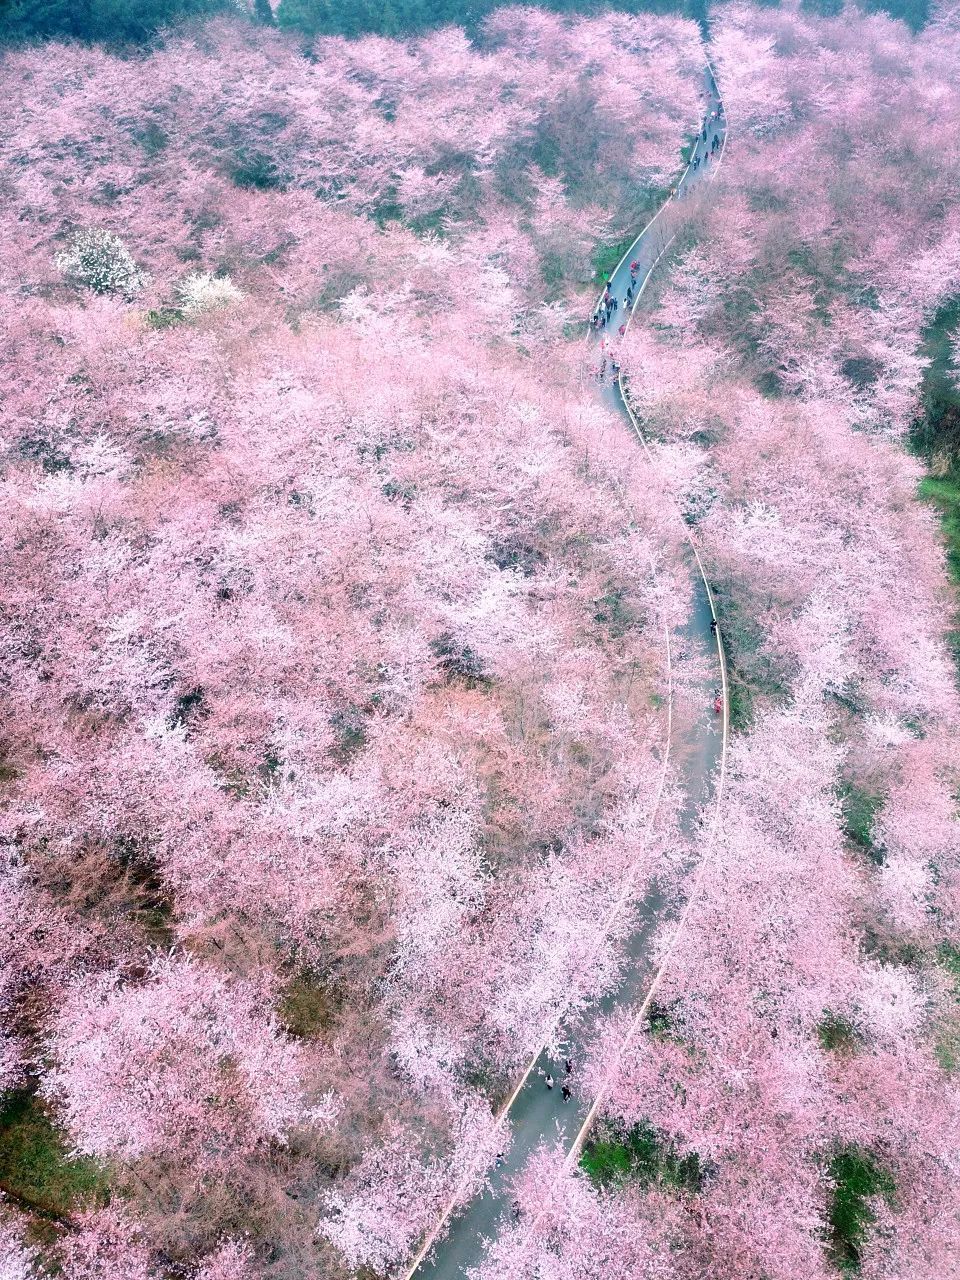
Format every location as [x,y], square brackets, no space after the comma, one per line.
[537,1113]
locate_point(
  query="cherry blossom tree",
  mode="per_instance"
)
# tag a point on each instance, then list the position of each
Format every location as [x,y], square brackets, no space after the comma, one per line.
[181,1060]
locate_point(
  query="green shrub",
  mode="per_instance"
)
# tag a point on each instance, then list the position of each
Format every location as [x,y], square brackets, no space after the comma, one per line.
[947,1044]
[112,22]
[837,1034]
[34,1163]
[860,808]
[641,1155]
[256,171]
[856,1178]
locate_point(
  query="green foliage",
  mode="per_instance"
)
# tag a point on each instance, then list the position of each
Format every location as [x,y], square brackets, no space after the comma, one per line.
[256,171]
[886,946]
[949,957]
[152,138]
[935,437]
[407,17]
[661,1021]
[935,434]
[112,22]
[606,258]
[947,1042]
[133,22]
[35,1166]
[836,1034]
[741,701]
[944,494]
[458,661]
[915,13]
[641,1155]
[163,317]
[615,612]
[823,8]
[856,1177]
[860,808]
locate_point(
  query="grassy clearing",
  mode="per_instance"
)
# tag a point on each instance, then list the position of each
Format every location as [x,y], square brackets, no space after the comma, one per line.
[607,256]
[860,808]
[836,1034]
[943,493]
[857,1179]
[935,437]
[947,1044]
[641,1155]
[35,1167]
[935,434]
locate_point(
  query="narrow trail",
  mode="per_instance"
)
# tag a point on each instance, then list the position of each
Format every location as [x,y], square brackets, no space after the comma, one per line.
[534,1114]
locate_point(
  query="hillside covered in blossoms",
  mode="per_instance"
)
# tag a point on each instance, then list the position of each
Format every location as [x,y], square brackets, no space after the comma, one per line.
[357,665]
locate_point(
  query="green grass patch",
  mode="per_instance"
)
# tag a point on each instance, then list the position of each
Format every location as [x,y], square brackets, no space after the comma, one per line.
[35,1166]
[741,701]
[935,437]
[837,1034]
[943,493]
[947,1045]
[860,808]
[856,1178]
[949,957]
[641,1155]
[662,1021]
[947,1042]
[607,256]
[935,434]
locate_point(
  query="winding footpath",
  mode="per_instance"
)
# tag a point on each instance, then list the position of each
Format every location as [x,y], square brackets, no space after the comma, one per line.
[534,1114]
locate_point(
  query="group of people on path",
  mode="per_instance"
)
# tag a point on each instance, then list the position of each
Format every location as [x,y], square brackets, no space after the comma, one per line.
[609,303]
[565,1091]
[601,369]
[713,122]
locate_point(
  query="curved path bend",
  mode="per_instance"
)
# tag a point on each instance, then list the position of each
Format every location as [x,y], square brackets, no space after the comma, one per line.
[534,1114]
